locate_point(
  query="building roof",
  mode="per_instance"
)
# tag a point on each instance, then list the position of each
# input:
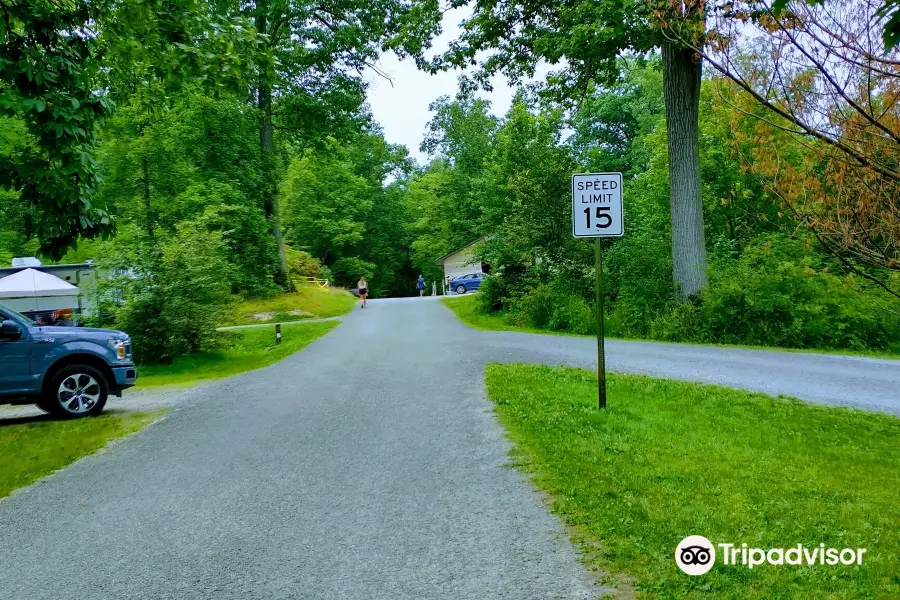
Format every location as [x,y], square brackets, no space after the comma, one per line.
[441,260]
[34,283]
[5,271]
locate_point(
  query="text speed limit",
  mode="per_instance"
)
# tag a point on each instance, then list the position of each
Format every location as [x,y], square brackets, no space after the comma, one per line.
[597,205]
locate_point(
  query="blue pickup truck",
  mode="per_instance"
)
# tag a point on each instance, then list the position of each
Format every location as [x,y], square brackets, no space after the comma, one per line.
[67,371]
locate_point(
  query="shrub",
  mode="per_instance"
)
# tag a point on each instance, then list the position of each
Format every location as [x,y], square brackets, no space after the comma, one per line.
[640,280]
[169,297]
[302,263]
[778,295]
[492,293]
[535,308]
[573,314]
[325,273]
[348,270]
[549,306]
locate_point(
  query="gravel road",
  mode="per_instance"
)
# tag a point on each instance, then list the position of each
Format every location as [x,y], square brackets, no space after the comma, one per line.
[350,470]
[367,465]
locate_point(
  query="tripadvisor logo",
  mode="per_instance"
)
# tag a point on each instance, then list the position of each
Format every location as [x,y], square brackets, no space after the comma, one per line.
[696,555]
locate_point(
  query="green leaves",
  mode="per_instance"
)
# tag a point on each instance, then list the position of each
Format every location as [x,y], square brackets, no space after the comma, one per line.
[891,12]
[61,65]
[48,71]
[581,39]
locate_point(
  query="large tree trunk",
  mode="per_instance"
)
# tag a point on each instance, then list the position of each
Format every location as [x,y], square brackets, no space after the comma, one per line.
[681,91]
[267,149]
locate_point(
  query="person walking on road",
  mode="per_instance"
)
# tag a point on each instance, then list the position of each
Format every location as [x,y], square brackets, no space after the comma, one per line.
[363,288]
[449,281]
[421,285]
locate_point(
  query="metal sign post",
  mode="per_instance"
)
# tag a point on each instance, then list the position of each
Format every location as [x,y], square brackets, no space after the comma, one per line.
[597,212]
[601,353]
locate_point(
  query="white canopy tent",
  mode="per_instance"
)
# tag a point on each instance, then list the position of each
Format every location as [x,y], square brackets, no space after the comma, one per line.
[31,290]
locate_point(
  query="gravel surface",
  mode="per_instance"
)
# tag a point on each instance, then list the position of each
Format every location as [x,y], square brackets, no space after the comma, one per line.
[134,400]
[367,465]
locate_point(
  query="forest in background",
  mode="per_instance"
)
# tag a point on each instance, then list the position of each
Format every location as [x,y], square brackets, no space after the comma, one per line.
[205,152]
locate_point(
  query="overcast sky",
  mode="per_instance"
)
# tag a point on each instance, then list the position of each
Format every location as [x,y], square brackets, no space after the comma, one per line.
[401,105]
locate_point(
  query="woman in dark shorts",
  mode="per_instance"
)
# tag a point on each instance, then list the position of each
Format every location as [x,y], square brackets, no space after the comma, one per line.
[363,290]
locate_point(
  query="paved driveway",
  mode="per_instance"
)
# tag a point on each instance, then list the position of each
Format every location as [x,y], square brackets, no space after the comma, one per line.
[368,465]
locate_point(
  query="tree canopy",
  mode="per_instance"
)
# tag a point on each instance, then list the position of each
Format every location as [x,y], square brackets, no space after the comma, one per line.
[230,144]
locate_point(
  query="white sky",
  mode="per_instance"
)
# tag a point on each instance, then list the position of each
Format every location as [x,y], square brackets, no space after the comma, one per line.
[401,105]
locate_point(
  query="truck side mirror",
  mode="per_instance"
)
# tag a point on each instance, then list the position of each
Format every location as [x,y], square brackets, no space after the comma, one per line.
[10,330]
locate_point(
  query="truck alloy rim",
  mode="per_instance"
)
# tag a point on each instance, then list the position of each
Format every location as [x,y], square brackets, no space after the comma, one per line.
[78,392]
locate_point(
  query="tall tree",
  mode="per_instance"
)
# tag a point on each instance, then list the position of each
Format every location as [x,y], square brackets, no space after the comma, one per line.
[588,37]
[312,80]
[459,134]
[63,64]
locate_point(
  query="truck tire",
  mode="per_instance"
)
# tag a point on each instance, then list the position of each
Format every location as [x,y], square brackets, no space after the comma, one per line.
[75,391]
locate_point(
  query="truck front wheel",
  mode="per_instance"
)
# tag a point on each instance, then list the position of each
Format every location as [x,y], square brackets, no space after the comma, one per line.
[75,391]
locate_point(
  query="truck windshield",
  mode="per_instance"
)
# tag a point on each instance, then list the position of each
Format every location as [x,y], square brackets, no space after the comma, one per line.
[8,313]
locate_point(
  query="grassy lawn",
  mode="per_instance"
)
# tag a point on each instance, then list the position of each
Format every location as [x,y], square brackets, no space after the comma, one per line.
[34,449]
[244,350]
[669,459]
[307,303]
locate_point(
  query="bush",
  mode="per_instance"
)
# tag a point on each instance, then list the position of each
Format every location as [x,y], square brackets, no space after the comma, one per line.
[492,294]
[325,273]
[778,295]
[348,270]
[775,293]
[573,314]
[302,264]
[640,281]
[170,297]
[551,307]
[535,308]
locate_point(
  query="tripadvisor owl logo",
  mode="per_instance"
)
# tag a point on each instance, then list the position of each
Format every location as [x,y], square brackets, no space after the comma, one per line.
[695,555]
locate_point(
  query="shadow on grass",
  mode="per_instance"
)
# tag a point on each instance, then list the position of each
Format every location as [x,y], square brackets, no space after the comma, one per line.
[23,420]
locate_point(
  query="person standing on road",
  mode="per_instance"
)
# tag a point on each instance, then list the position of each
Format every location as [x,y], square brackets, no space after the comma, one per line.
[449,281]
[363,288]
[421,285]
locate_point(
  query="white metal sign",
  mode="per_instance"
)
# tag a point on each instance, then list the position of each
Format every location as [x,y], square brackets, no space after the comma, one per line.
[597,205]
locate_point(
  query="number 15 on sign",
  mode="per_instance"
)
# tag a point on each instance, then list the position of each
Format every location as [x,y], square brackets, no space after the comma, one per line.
[597,205]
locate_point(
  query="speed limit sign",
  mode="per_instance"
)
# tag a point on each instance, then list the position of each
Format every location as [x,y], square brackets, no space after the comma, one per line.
[597,205]
[597,213]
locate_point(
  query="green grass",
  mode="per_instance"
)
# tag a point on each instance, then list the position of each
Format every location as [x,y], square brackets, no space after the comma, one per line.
[308,302]
[244,350]
[34,449]
[669,459]
[467,310]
